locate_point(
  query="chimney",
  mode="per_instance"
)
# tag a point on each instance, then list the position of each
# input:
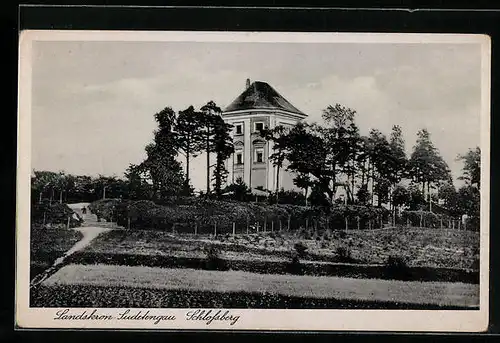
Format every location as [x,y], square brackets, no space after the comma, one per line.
[248,84]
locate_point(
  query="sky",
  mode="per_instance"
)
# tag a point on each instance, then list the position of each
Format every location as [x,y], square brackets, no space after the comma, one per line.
[93,102]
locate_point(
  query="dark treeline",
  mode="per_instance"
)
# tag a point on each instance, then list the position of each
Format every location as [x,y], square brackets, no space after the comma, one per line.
[372,170]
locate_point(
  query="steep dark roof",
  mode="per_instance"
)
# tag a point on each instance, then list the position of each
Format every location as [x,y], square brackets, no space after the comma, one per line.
[261,95]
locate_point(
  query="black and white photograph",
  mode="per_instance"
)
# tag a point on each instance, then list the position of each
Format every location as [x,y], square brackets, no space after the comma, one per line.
[246,180]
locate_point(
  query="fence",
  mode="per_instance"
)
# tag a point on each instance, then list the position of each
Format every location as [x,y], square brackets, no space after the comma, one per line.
[290,224]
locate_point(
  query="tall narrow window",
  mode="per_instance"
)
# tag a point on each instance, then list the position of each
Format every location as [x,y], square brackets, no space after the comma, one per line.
[239,158]
[239,129]
[259,126]
[259,155]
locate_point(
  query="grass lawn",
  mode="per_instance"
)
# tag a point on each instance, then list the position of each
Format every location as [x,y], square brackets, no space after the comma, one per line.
[310,287]
[46,245]
[421,247]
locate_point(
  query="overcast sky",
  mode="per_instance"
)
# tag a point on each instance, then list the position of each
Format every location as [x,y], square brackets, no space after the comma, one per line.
[93,102]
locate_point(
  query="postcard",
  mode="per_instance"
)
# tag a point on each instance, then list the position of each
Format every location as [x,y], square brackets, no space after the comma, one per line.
[253,181]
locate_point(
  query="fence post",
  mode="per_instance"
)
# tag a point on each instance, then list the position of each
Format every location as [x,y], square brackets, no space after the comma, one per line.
[346,224]
[381,221]
[459,222]
[307,222]
[234,228]
[215,229]
[248,223]
[358,221]
[69,218]
[441,223]
[453,224]
[272,226]
[196,228]
[327,223]
[421,218]
[407,222]
[369,224]
[44,214]
[289,217]
[265,224]
[128,223]
[280,224]
[173,228]
[465,224]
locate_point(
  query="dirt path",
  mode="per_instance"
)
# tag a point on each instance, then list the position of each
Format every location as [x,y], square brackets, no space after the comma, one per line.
[89,234]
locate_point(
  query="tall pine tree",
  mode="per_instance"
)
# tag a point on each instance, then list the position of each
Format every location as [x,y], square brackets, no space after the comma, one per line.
[161,166]
[189,137]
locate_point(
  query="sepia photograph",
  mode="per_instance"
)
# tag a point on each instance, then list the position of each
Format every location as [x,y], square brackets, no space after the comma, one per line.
[246,178]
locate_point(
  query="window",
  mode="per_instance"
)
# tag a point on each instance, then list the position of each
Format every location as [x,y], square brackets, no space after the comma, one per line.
[239,158]
[239,129]
[259,155]
[259,126]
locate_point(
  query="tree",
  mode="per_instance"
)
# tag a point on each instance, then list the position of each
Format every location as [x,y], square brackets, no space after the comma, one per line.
[210,111]
[344,144]
[189,137]
[401,196]
[303,180]
[41,182]
[471,171]
[240,190]
[138,187]
[160,165]
[60,184]
[449,195]
[398,162]
[417,199]
[426,165]
[278,136]
[363,195]
[223,148]
[307,155]
[380,157]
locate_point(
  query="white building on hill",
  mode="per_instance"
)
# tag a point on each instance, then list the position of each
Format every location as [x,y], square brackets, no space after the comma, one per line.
[259,106]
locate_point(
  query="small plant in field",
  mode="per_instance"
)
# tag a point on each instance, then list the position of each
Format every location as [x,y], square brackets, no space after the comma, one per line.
[294,266]
[300,249]
[213,260]
[397,268]
[343,254]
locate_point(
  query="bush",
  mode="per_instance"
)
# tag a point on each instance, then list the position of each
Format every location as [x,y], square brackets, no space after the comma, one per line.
[294,266]
[54,213]
[186,212]
[213,260]
[397,268]
[425,219]
[300,249]
[343,254]
[105,209]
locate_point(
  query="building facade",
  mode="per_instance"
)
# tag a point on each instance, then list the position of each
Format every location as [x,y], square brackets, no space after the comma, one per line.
[259,106]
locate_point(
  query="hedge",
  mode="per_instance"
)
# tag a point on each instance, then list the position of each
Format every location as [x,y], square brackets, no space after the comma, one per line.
[54,213]
[387,271]
[127,297]
[205,214]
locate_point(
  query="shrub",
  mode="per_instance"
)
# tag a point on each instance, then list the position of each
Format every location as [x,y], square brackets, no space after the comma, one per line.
[294,266]
[54,213]
[105,209]
[424,219]
[397,268]
[343,254]
[213,260]
[300,249]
